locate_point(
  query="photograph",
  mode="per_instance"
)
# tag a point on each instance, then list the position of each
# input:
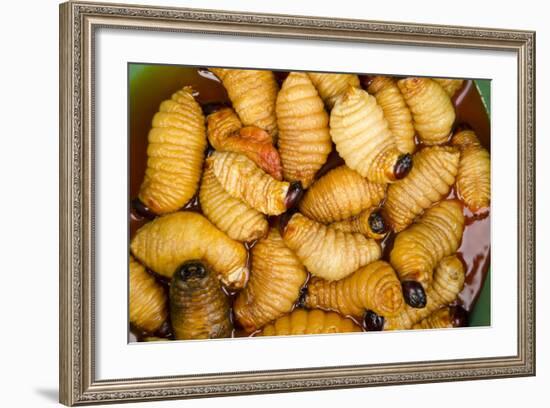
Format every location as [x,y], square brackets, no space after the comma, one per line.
[278,203]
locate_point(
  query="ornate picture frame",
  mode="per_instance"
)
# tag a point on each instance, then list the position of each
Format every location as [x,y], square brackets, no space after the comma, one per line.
[78,24]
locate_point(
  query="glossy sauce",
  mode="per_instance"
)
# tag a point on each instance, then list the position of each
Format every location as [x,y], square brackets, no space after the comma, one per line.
[475,249]
[160,82]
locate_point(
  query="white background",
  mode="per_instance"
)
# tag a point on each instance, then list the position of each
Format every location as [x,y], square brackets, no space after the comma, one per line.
[116,359]
[29,204]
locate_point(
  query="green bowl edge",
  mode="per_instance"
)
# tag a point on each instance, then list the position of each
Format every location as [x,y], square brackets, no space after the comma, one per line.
[481,314]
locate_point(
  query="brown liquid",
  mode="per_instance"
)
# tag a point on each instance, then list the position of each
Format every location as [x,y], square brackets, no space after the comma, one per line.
[475,249]
[165,80]
[470,111]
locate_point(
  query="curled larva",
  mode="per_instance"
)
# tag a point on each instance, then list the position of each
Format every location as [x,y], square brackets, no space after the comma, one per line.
[396,111]
[418,249]
[242,179]
[276,278]
[199,309]
[309,322]
[372,287]
[447,284]
[444,318]
[304,139]
[369,223]
[225,133]
[168,241]
[220,126]
[340,194]
[364,140]
[431,107]
[147,299]
[175,152]
[449,85]
[331,86]
[231,215]
[473,181]
[253,94]
[326,252]
[434,172]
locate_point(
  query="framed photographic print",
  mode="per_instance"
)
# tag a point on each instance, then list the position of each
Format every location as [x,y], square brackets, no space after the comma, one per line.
[256,203]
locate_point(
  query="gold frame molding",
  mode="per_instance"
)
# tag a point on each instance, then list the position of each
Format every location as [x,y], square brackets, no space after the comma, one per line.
[78,22]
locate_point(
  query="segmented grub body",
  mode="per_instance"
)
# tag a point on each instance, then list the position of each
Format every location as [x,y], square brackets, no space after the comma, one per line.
[332,86]
[253,94]
[227,134]
[432,110]
[231,215]
[440,319]
[340,194]
[309,322]
[175,153]
[447,284]
[450,85]
[372,287]
[396,112]
[369,223]
[362,136]
[304,138]
[199,308]
[474,171]
[147,299]
[418,249]
[166,242]
[434,172]
[274,286]
[242,179]
[327,252]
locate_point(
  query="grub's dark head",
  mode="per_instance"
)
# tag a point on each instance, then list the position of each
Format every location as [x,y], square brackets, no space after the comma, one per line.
[377,223]
[294,194]
[191,270]
[414,294]
[373,321]
[403,166]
